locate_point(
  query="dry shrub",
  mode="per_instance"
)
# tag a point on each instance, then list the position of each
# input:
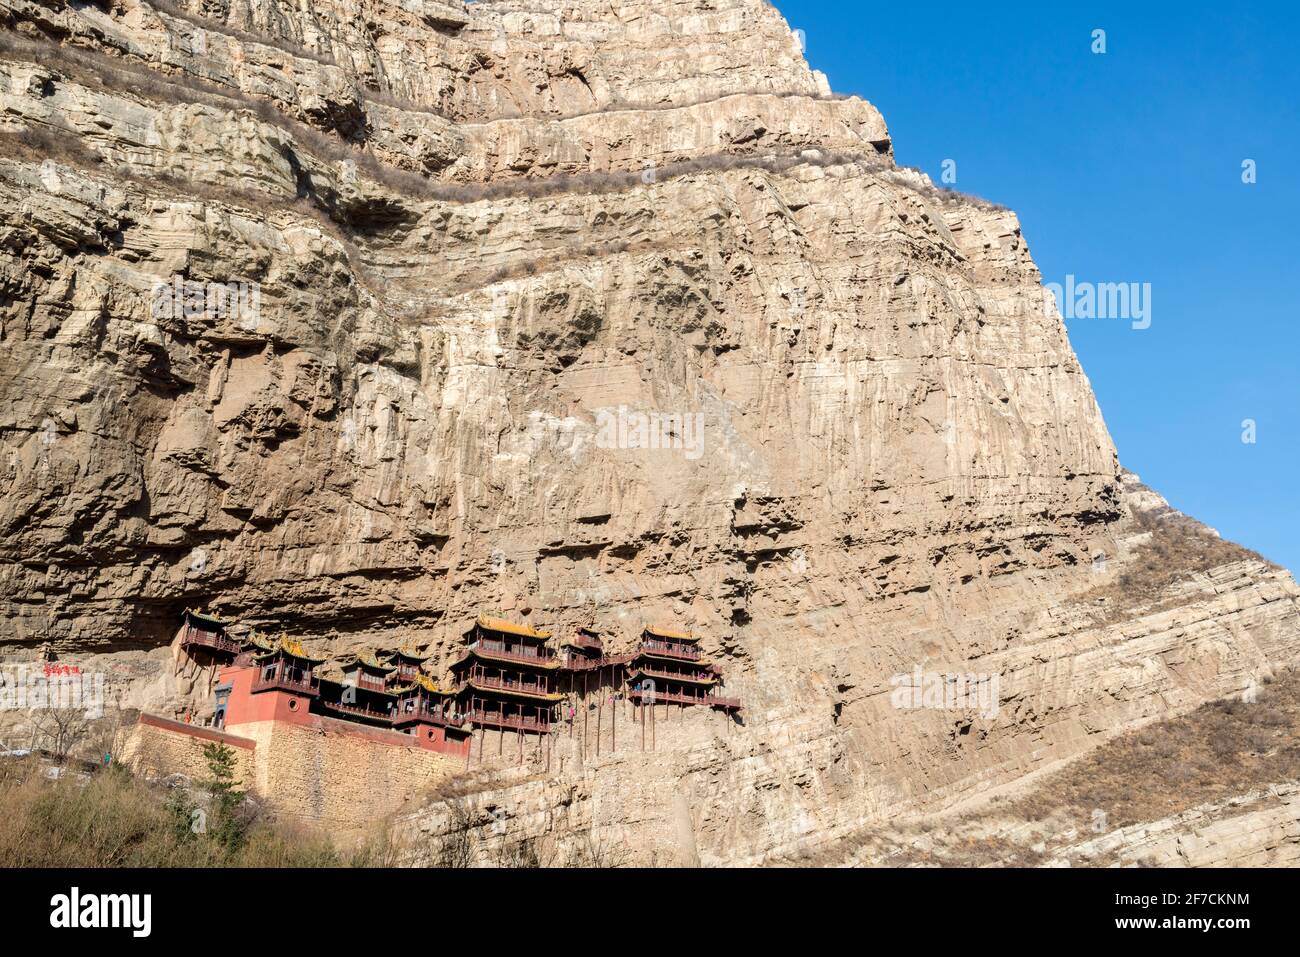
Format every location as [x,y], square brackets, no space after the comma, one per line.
[112,819]
[1221,749]
[1178,549]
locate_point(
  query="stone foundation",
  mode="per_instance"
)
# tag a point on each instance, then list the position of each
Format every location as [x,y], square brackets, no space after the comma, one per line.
[332,774]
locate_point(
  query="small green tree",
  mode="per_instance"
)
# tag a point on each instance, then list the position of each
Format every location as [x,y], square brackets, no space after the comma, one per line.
[181,813]
[226,825]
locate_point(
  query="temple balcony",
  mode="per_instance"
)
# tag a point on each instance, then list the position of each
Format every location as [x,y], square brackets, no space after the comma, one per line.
[425,712]
[586,643]
[671,697]
[369,713]
[512,722]
[525,654]
[595,664]
[510,684]
[295,681]
[197,637]
[671,650]
[694,677]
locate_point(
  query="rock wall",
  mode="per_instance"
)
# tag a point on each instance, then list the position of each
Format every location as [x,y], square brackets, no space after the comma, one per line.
[1258,829]
[485,240]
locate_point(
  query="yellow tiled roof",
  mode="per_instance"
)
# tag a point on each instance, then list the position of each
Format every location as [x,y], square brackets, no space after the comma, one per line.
[671,634]
[425,682]
[509,627]
[404,651]
[207,616]
[290,646]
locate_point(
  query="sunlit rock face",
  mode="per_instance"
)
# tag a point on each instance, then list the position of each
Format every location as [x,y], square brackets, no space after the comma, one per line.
[353,319]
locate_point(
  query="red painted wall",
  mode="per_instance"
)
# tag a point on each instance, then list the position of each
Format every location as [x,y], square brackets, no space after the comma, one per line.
[244,707]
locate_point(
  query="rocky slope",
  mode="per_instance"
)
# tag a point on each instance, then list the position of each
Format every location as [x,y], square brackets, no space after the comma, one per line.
[479,232]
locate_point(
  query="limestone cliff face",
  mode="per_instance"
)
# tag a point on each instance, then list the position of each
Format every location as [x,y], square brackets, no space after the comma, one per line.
[479,234]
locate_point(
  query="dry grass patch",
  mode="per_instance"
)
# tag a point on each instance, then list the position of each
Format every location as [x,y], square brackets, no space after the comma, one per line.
[1178,549]
[112,819]
[1221,749]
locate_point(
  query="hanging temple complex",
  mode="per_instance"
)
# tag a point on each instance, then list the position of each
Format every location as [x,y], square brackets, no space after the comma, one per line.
[304,724]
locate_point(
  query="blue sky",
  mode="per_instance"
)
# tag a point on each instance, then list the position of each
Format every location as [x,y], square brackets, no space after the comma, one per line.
[1127,167]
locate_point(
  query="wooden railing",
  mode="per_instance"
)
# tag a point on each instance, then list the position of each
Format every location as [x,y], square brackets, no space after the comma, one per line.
[671,676]
[359,710]
[503,684]
[522,653]
[209,639]
[671,649]
[300,682]
[668,697]
[427,713]
[498,719]
[595,664]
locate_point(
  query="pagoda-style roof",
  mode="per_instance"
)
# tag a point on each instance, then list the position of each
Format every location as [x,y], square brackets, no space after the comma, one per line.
[366,661]
[204,619]
[406,653]
[291,647]
[342,682]
[510,628]
[423,682]
[670,634]
[489,688]
[255,639]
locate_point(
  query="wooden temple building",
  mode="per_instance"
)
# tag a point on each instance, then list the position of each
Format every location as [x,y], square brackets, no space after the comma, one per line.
[424,708]
[269,680]
[583,651]
[508,679]
[204,637]
[669,668]
[359,690]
